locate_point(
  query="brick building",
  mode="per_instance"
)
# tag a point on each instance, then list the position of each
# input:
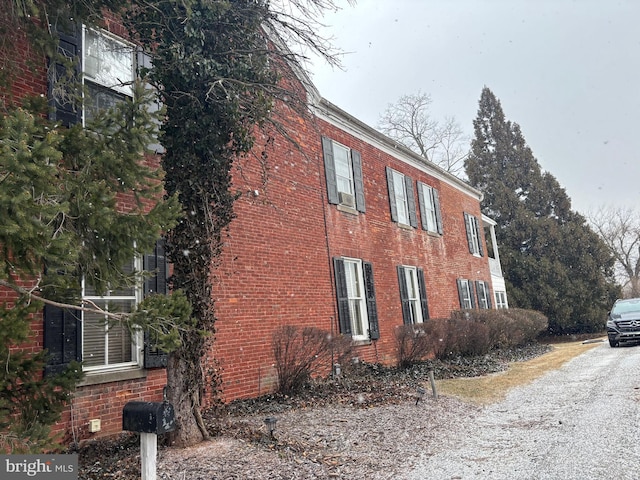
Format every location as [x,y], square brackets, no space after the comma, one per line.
[350,233]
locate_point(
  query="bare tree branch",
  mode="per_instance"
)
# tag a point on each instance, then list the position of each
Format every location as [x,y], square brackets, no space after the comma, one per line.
[620,230]
[408,121]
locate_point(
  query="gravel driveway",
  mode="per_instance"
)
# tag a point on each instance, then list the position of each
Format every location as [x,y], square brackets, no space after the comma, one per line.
[578,422]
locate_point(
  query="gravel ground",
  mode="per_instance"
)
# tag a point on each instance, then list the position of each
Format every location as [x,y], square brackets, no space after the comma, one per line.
[367,425]
[579,422]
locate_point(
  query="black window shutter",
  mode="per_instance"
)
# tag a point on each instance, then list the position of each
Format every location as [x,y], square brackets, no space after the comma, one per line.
[64,104]
[423,295]
[156,262]
[372,308]
[411,202]
[479,290]
[460,293]
[488,292]
[157,284]
[330,171]
[342,295]
[404,296]
[467,226]
[421,202]
[62,338]
[477,225]
[436,206]
[358,181]
[392,195]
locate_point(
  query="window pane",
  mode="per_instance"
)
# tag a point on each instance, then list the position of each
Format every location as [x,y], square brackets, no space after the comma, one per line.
[93,339]
[127,269]
[99,99]
[355,309]
[401,200]
[466,294]
[355,292]
[119,341]
[430,213]
[344,171]
[108,62]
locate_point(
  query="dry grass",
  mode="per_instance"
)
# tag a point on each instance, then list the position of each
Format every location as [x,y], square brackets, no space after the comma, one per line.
[494,387]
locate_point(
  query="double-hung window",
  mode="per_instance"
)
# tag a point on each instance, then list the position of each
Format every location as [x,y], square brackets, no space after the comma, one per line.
[401,198]
[105,344]
[430,208]
[473,235]
[413,295]
[484,298]
[343,170]
[104,64]
[357,311]
[465,294]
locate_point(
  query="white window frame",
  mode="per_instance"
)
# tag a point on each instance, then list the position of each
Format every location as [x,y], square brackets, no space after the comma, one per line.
[413,293]
[356,292]
[101,76]
[136,338]
[500,299]
[345,167]
[467,292]
[473,232]
[483,294]
[400,192]
[430,208]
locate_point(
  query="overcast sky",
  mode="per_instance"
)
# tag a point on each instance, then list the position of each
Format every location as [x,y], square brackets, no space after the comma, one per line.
[567,71]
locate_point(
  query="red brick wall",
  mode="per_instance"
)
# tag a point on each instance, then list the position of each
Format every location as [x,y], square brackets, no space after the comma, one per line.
[276,267]
[103,401]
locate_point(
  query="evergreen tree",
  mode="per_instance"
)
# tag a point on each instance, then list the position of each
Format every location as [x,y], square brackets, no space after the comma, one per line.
[552,260]
[63,222]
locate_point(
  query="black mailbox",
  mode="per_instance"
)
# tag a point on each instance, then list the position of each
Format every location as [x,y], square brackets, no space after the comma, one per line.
[148,417]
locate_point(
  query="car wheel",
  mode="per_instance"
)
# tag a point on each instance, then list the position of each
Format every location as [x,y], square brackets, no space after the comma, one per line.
[613,343]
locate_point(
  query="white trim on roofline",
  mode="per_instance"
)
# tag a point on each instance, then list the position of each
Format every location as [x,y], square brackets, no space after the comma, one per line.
[334,115]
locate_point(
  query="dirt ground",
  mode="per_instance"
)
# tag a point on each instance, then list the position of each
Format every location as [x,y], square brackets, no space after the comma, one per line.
[368,424]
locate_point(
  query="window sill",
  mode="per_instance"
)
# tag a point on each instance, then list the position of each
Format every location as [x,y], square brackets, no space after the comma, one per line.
[346,209]
[434,234]
[361,343]
[95,378]
[404,226]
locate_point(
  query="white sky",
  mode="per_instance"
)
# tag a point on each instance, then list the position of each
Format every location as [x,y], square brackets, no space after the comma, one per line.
[567,71]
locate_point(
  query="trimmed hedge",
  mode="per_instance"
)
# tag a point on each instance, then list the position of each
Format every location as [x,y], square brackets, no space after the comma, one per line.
[467,333]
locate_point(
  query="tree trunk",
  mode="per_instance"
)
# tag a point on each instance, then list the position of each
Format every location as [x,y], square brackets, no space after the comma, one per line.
[184,394]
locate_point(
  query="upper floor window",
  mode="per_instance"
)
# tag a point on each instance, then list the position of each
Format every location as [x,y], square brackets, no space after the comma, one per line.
[473,234]
[108,71]
[412,295]
[465,294]
[489,241]
[343,170]
[401,198]
[357,311]
[430,208]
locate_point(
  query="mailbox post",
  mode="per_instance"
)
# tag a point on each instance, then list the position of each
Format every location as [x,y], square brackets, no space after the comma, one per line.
[148,419]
